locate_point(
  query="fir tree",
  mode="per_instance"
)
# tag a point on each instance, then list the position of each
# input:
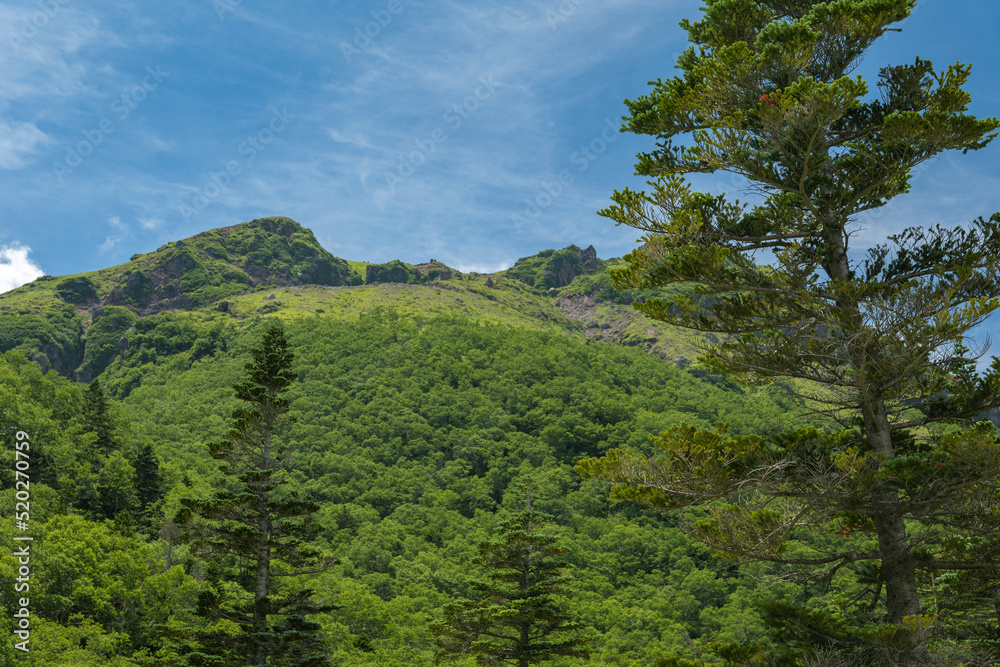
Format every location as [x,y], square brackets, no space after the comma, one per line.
[247,531]
[97,420]
[515,616]
[149,480]
[767,93]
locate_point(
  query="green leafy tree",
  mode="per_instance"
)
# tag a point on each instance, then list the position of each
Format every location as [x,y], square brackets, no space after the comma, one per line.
[516,617]
[766,92]
[258,526]
[115,489]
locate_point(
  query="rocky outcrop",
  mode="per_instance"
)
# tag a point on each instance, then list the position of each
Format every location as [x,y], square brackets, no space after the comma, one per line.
[555,268]
[433,270]
[218,263]
[390,272]
[400,272]
[588,260]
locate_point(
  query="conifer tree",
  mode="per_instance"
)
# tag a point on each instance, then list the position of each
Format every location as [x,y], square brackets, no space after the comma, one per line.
[766,93]
[97,419]
[149,480]
[252,526]
[104,481]
[515,616]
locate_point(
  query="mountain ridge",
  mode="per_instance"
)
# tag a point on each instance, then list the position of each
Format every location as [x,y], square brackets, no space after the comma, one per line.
[77,324]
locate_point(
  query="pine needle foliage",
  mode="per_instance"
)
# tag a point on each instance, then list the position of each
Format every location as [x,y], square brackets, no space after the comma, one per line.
[515,616]
[254,531]
[767,93]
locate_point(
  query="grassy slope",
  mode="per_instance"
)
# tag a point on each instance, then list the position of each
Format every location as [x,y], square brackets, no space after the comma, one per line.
[191,277]
[572,311]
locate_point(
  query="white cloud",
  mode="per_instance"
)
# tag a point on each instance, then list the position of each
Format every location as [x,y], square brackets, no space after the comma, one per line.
[150,223]
[15,267]
[17,143]
[484,268]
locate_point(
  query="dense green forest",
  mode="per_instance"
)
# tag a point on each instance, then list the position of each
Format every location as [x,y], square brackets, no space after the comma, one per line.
[411,429]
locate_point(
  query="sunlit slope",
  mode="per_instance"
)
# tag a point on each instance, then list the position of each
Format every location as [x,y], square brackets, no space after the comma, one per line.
[78,324]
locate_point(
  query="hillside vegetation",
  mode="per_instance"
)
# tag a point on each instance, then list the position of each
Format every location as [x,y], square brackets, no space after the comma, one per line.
[418,406]
[77,324]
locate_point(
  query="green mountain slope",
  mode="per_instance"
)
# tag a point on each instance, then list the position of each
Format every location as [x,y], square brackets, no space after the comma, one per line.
[48,318]
[410,430]
[77,324]
[422,393]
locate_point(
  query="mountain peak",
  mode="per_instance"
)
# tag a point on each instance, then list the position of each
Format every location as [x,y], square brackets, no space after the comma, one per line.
[210,266]
[552,269]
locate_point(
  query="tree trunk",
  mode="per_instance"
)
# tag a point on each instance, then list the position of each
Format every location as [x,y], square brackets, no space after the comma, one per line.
[522,660]
[898,569]
[263,578]
[260,602]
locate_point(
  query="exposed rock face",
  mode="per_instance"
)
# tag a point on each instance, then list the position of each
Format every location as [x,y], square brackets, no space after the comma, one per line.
[555,268]
[433,271]
[63,359]
[222,262]
[993,415]
[584,309]
[588,260]
[563,271]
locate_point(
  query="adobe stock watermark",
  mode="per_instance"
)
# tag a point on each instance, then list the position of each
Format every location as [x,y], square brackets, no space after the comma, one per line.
[563,10]
[426,146]
[122,108]
[22,520]
[40,19]
[222,7]
[552,189]
[364,35]
[218,181]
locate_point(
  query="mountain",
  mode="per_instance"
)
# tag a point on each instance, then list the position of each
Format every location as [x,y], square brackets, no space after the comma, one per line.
[421,395]
[77,324]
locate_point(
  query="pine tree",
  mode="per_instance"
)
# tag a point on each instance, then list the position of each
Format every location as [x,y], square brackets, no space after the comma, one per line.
[97,419]
[104,480]
[247,531]
[149,480]
[515,617]
[767,93]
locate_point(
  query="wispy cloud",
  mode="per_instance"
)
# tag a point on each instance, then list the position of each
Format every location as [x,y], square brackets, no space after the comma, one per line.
[112,241]
[18,143]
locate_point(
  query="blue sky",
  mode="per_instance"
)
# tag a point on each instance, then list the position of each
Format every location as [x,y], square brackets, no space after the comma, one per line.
[441,133]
